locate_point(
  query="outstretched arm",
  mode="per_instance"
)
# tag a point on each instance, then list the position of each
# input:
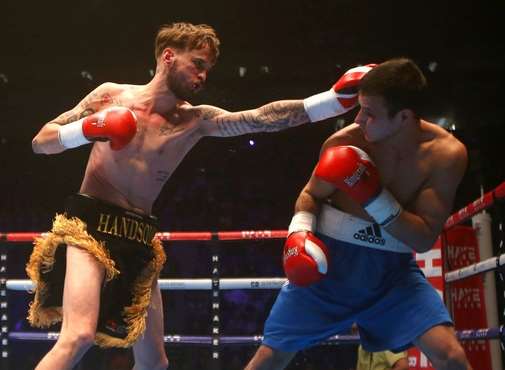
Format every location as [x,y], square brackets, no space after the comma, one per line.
[271,117]
[283,114]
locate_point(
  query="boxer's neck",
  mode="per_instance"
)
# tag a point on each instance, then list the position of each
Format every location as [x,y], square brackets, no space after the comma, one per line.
[404,141]
[157,96]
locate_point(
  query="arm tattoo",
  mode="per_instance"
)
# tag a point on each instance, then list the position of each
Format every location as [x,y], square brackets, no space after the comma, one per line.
[210,112]
[72,116]
[272,117]
[86,107]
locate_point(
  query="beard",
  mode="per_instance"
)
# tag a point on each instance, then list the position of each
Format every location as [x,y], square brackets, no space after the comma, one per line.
[178,86]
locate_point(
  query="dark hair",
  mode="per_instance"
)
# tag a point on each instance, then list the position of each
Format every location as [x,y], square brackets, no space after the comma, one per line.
[186,36]
[400,82]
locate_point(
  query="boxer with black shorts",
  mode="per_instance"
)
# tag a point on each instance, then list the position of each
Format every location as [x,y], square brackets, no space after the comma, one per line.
[140,134]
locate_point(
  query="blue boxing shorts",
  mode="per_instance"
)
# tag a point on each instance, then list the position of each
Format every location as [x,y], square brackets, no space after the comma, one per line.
[372,280]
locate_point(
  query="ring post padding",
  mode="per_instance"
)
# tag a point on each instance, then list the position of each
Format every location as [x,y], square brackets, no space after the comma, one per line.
[4,308]
[215,309]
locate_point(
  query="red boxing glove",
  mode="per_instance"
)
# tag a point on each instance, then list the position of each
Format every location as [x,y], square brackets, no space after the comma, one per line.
[351,170]
[117,125]
[341,98]
[305,258]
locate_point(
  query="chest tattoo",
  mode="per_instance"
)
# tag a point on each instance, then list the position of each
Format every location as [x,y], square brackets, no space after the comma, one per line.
[168,129]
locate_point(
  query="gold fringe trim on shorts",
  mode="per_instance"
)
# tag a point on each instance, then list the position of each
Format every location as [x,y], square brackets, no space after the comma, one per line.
[68,231]
[135,314]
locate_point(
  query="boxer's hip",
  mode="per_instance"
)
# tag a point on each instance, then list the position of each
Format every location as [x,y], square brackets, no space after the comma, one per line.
[344,227]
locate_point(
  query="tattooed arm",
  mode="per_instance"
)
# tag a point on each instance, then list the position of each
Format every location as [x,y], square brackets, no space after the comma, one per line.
[46,141]
[274,116]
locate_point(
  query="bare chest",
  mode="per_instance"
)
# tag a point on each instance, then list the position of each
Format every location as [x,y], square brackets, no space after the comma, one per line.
[149,160]
[162,138]
[404,177]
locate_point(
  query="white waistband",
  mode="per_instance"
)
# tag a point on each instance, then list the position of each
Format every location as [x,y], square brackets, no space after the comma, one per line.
[342,226]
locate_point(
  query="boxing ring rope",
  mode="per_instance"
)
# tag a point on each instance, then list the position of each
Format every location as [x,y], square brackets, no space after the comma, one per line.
[176,236]
[480,204]
[185,284]
[487,265]
[476,334]
[465,213]
[216,284]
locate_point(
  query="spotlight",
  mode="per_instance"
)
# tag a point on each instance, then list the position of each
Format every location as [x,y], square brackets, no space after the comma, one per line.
[442,122]
[432,66]
[340,123]
[86,75]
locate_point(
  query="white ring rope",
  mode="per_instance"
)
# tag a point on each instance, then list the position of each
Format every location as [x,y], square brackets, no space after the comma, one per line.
[476,268]
[185,284]
[276,282]
[273,283]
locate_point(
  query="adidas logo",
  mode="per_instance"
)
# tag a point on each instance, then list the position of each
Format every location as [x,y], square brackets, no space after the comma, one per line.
[371,234]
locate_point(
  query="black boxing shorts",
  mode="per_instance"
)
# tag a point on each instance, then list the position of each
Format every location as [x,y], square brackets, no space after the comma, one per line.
[123,243]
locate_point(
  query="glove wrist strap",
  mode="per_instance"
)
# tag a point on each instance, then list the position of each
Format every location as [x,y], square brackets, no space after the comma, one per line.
[302,221]
[323,105]
[384,209]
[71,135]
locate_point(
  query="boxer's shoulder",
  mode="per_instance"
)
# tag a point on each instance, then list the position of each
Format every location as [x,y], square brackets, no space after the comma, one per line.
[105,95]
[442,147]
[349,135]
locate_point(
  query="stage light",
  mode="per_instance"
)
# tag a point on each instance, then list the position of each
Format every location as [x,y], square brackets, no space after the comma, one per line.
[86,75]
[432,66]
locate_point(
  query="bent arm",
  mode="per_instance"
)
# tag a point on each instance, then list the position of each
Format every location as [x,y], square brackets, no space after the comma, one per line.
[312,195]
[308,204]
[47,140]
[420,224]
[420,227]
[275,116]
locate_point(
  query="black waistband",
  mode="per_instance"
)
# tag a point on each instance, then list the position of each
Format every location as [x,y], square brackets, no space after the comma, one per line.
[107,220]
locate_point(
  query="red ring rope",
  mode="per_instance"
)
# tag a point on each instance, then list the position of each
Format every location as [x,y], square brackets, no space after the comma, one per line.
[463,214]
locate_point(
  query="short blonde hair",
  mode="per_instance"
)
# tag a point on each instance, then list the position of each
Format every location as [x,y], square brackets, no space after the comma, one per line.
[186,36]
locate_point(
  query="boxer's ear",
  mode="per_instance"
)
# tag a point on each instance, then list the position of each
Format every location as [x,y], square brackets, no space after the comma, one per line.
[405,115]
[168,55]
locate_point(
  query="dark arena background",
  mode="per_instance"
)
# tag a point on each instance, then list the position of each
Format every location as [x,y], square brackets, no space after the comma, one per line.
[53,53]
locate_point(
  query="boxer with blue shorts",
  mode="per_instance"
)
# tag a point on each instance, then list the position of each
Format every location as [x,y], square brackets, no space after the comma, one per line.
[382,290]
[382,189]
